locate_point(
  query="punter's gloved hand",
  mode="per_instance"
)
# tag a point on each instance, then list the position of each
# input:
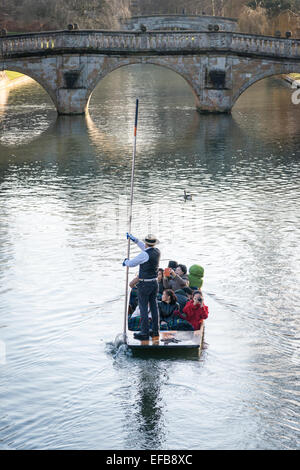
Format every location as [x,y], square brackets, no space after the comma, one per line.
[128,235]
[124,264]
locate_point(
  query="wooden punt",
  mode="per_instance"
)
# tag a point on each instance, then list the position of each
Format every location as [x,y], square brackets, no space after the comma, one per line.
[168,341]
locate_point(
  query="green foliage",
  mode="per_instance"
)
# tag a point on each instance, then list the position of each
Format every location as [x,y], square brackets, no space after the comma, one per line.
[12,75]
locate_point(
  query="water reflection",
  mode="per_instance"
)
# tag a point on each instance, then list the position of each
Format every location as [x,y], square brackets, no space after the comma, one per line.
[28,113]
[4,92]
[77,133]
[281,123]
[145,420]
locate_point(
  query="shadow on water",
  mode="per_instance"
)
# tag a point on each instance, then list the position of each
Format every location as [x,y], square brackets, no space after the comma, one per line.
[143,399]
[143,404]
[147,417]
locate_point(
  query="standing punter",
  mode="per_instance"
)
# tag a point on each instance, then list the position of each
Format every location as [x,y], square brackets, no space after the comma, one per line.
[148,260]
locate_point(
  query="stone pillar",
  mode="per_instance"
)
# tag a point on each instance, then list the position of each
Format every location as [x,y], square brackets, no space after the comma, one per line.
[213,84]
[71,91]
[215,101]
[72,101]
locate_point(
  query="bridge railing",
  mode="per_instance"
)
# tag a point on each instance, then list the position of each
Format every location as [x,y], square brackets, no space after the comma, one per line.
[265,45]
[179,42]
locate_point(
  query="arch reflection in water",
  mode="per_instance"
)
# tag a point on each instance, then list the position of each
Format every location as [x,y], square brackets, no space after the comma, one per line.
[28,112]
[4,92]
[71,136]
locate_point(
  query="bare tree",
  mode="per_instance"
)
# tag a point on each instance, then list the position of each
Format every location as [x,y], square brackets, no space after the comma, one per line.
[32,15]
[114,11]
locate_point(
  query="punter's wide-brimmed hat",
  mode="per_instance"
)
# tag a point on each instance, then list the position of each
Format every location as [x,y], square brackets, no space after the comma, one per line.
[151,240]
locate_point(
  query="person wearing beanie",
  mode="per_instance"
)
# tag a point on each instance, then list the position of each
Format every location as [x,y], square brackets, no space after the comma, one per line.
[147,287]
[196,273]
[173,264]
[188,292]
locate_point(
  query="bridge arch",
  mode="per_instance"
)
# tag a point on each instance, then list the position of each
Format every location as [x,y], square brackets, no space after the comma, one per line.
[266,73]
[115,65]
[36,76]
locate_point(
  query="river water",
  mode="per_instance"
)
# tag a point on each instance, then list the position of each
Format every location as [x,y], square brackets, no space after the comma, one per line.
[64,186]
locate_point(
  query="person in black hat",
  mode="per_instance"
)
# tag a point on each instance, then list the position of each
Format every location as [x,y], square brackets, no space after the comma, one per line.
[173,264]
[148,260]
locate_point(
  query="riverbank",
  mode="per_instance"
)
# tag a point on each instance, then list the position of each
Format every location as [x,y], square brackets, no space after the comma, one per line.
[9,79]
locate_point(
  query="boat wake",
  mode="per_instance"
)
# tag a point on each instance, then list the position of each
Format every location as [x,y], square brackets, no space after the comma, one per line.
[117,348]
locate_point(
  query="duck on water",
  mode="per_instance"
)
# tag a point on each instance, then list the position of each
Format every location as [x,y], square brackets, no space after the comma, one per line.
[187,196]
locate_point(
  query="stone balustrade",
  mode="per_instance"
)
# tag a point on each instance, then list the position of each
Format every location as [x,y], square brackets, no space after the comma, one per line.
[115,42]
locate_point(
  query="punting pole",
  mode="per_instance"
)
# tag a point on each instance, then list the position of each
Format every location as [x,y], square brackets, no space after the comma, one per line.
[129,222]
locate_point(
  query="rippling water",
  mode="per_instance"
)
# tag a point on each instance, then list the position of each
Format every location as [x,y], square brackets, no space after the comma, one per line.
[64,184]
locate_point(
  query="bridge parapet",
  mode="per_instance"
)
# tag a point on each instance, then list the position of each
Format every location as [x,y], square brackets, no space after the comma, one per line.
[265,45]
[159,43]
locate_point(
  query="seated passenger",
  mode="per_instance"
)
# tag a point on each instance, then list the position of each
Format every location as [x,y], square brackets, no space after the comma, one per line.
[134,282]
[175,279]
[168,305]
[169,312]
[160,282]
[133,299]
[188,292]
[181,271]
[134,320]
[196,311]
[173,264]
[183,296]
[196,273]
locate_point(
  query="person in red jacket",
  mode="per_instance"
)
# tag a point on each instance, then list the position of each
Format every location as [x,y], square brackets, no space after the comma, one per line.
[195,310]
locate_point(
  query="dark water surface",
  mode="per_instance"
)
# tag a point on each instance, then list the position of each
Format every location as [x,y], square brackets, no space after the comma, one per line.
[63,188]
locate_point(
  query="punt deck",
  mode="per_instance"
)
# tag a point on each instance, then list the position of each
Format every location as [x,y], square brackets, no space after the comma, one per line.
[168,341]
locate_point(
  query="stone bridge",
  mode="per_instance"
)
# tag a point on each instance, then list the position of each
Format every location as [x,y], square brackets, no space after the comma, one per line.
[218,66]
